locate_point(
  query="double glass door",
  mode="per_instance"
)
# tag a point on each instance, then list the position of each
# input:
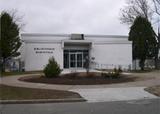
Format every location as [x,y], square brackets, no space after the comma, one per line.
[76,60]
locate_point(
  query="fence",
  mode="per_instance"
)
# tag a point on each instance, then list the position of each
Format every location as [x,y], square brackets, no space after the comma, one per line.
[94,65]
[149,64]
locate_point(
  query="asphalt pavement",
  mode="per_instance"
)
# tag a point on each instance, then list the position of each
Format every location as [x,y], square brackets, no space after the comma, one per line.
[147,106]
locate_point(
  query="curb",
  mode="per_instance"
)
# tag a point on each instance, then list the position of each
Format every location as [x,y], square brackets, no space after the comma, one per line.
[34,101]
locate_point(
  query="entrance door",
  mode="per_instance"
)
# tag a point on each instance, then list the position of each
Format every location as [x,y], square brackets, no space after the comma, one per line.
[79,60]
[72,60]
[76,60]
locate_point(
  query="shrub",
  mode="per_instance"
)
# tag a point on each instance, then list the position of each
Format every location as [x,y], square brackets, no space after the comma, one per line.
[52,69]
[120,69]
[112,74]
[105,75]
[117,72]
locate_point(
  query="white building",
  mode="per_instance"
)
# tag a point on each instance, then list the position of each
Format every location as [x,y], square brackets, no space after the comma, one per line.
[71,50]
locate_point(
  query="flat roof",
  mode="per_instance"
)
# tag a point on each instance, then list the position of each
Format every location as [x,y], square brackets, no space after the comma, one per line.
[59,38]
[69,35]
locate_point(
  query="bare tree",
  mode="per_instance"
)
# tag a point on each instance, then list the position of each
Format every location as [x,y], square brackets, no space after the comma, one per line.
[17,18]
[157,6]
[135,8]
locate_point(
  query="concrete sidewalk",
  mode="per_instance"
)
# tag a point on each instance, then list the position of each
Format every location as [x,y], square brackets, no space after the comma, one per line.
[13,81]
[114,94]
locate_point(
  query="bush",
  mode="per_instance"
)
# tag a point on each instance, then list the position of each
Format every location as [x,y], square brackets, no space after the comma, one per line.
[117,72]
[105,75]
[112,74]
[52,69]
[120,69]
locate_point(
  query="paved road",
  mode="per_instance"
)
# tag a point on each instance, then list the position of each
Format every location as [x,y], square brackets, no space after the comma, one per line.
[151,106]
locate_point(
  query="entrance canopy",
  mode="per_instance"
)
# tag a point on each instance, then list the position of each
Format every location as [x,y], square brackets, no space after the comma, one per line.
[77,43]
[75,53]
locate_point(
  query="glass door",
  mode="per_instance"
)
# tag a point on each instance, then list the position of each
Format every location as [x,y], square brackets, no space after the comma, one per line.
[76,60]
[72,60]
[79,61]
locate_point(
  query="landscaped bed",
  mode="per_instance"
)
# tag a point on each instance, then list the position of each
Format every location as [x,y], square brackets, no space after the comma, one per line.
[154,90]
[19,93]
[82,78]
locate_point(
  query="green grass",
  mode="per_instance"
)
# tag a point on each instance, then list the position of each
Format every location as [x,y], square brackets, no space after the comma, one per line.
[19,73]
[19,93]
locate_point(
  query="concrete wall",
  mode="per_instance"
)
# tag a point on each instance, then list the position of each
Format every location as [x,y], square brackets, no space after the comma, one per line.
[112,55]
[36,59]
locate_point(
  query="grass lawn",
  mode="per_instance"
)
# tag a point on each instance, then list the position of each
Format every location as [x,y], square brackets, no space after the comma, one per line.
[154,90]
[19,73]
[19,93]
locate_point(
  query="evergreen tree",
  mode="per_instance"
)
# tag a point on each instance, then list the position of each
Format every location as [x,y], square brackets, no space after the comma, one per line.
[10,41]
[52,69]
[144,40]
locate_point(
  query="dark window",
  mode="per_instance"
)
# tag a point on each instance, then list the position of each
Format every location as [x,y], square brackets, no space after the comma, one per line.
[66,59]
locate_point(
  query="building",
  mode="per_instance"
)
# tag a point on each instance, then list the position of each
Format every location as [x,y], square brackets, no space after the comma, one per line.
[72,50]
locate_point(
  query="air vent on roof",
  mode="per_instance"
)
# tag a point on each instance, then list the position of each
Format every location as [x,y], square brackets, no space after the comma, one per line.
[77,37]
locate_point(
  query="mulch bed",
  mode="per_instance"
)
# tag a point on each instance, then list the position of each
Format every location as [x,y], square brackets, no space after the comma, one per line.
[80,79]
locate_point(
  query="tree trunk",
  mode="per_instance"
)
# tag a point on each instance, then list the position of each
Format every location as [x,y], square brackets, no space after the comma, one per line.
[141,64]
[156,62]
[142,68]
[3,64]
[156,56]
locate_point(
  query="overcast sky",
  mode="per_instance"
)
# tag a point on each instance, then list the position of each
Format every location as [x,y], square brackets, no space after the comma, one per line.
[69,16]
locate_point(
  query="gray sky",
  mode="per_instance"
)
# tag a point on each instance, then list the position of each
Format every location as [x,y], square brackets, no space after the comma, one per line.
[69,16]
